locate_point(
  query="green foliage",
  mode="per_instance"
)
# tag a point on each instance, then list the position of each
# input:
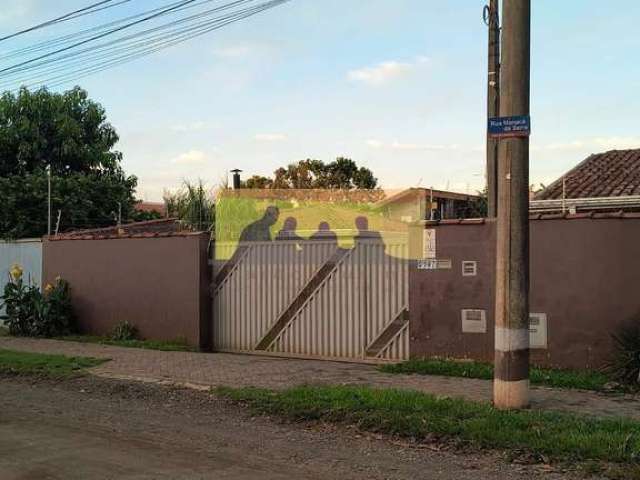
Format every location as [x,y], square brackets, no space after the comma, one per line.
[555,378]
[124,332]
[410,414]
[85,200]
[194,205]
[31,313]
[144,216]
[624,366]
[66,130]
[69,132]
[343,173]
[258,182]
[25,363]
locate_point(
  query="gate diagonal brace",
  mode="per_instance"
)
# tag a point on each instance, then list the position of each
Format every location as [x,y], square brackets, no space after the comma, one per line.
[231,265]
[388,333]
[307,291]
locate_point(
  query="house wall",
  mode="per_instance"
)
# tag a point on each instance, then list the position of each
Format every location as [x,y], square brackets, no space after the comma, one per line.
[159,284]
[411,210]
[584,276]
[26,253]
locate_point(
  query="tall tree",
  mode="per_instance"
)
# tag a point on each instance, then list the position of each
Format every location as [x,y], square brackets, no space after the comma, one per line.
[67,131]
[70,133]
[343,173]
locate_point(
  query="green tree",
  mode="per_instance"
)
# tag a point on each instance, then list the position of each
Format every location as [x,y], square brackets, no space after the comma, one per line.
[258,182]
[69,132]
[84,201]
[343,173]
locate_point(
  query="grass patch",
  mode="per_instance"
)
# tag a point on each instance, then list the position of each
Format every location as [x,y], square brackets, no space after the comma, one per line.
[178,345]
[4,331]
[59,366]
[579,379]
[557,436]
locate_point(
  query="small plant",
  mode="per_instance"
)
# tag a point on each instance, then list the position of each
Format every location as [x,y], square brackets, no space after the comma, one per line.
[624,366]
[124,331]
[30,312]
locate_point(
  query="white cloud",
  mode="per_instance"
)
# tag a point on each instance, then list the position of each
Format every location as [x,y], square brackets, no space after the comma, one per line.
[192,157]
[385,72]
[395,145]
[270,137]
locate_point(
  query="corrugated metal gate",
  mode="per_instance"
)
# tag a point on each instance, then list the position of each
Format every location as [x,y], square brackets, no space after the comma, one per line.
[314,299]
[26,253]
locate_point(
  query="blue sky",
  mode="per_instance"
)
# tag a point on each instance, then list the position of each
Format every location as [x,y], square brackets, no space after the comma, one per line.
[397,85]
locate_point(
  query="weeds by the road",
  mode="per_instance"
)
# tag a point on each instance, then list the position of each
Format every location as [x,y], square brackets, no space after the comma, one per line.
[58,366]
[555,378]
[167,346]
[557,436]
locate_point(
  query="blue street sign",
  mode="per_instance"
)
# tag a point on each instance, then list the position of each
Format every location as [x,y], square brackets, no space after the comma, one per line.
[502,127]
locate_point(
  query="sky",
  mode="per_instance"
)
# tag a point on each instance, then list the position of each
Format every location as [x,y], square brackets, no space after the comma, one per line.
[397,85]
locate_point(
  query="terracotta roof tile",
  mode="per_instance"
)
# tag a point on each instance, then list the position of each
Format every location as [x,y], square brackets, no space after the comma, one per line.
[609,174]
[152,228]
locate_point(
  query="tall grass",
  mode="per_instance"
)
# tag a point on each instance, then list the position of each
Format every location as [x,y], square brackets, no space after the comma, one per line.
[194,205]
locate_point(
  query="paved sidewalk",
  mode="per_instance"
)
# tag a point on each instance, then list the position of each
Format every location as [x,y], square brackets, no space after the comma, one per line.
[217,369]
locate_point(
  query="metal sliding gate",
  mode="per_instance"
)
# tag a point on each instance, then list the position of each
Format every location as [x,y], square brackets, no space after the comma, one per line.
[314,299]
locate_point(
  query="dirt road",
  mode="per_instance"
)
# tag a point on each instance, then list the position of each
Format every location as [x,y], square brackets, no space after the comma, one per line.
[92,428]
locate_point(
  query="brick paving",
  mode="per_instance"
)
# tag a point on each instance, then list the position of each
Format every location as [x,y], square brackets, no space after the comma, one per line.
[223,369]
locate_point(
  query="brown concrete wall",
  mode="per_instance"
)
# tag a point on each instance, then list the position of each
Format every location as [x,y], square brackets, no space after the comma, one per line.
[158,284]
[585,275]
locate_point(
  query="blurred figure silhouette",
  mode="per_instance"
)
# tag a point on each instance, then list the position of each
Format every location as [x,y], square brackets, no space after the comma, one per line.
[371,238]
[288,231]
[325,233]
[362,224]
[260,230]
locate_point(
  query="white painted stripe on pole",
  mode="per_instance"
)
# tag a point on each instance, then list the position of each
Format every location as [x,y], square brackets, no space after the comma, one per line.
[507,395]
[511,339]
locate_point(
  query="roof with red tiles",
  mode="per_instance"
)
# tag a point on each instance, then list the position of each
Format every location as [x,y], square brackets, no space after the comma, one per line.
[165,227]
[610,174]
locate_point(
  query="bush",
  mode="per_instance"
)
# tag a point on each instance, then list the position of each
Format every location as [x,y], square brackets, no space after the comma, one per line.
[624,366]
[32,313]
[124,331]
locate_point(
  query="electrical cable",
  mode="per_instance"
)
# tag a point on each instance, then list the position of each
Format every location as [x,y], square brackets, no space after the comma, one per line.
[134,46]
[66,17]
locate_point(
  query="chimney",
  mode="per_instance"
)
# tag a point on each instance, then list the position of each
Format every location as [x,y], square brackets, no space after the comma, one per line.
[236,178]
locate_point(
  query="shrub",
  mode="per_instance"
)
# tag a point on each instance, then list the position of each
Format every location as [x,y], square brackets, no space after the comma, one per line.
[124,331]
[624,366]
[30,312]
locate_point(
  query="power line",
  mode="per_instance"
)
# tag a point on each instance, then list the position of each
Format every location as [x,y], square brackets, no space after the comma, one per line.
[66,17]
[96,37]
[94,48]
[68,38]
[128,48]
[125,59]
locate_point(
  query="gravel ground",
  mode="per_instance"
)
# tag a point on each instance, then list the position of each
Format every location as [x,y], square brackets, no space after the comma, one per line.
[96,428]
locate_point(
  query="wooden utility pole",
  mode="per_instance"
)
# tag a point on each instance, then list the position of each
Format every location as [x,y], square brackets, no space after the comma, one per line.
[511,380]
[492,19]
